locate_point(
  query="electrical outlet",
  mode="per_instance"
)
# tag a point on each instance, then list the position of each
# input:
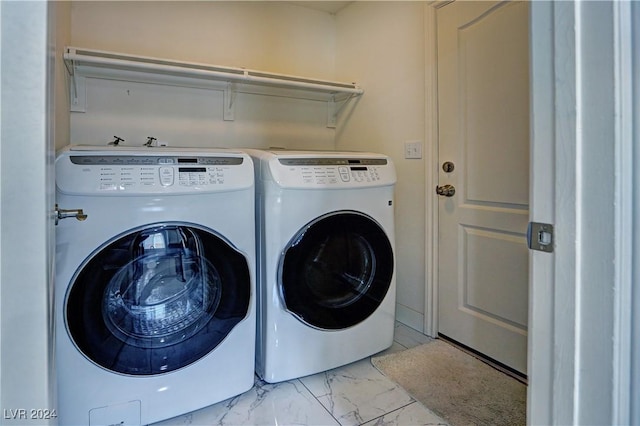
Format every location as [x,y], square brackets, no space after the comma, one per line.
[413,149]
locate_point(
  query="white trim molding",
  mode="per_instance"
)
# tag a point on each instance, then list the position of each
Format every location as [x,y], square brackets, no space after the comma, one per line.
[581,341]
[626,381]
[431,169]
[634,409]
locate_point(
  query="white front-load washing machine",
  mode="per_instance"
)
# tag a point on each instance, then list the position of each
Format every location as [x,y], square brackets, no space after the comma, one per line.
[326,275]
[155,282]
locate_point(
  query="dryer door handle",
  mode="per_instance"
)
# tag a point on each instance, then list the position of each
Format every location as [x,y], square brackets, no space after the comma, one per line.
[67,213]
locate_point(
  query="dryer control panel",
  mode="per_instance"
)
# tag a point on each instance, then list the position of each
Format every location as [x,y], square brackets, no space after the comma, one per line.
[143,174]
[333,172]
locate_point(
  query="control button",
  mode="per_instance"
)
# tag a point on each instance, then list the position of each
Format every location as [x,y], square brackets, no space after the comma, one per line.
[108,187]
[166,176]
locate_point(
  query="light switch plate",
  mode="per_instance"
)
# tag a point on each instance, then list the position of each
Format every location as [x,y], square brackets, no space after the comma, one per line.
[413,149]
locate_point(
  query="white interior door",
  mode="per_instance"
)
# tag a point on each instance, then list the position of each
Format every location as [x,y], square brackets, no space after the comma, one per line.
[483,110]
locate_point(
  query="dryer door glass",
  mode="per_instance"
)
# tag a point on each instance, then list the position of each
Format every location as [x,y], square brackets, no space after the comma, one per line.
[336,271]
[157,299]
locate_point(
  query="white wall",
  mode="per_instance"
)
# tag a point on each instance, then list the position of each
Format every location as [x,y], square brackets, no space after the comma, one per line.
[381,46]
[27,379]
[267,36]
[271,36]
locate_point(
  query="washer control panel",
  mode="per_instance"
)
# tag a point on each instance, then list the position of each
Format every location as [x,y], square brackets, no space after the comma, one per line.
[137,174]
[117,177]
[327,175]
[335,172]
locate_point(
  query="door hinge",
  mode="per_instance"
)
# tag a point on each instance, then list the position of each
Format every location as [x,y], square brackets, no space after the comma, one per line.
[540,236]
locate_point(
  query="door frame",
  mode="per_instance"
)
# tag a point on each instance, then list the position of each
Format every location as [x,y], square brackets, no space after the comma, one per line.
[27,366]
[431,168]
[566,176]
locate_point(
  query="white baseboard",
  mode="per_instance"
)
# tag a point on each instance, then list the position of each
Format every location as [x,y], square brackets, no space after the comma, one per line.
[410,318]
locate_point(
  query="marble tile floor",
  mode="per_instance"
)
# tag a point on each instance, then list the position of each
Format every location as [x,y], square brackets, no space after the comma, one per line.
[355,394]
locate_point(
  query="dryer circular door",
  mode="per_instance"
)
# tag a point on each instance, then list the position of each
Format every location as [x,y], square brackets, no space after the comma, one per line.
[336,270]
[157,298]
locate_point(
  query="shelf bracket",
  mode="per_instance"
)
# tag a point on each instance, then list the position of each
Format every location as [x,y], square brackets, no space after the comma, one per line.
[332,114]
[77,91]
[333,110]
[229,100]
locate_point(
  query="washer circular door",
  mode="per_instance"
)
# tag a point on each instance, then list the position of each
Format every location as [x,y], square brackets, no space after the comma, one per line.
[157,298]
[336,270]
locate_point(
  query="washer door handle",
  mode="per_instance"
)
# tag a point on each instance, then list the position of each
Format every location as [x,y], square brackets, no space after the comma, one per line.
[67,213]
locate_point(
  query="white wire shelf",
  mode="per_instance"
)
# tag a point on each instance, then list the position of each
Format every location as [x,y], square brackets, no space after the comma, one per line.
[82,63]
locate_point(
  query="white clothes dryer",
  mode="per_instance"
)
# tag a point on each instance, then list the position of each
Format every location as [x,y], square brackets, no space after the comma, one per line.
[326,266]
[155,282]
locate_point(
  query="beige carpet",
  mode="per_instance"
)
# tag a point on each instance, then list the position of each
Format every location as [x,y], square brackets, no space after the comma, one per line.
[458,387]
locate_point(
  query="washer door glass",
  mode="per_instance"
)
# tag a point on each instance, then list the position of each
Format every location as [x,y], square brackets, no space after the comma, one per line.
[157,299]
[336,271]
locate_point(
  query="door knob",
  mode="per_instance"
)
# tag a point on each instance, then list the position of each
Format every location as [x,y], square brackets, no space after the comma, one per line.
[446,190]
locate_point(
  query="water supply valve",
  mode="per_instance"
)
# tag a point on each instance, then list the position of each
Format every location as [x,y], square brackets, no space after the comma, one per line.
[67,213]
